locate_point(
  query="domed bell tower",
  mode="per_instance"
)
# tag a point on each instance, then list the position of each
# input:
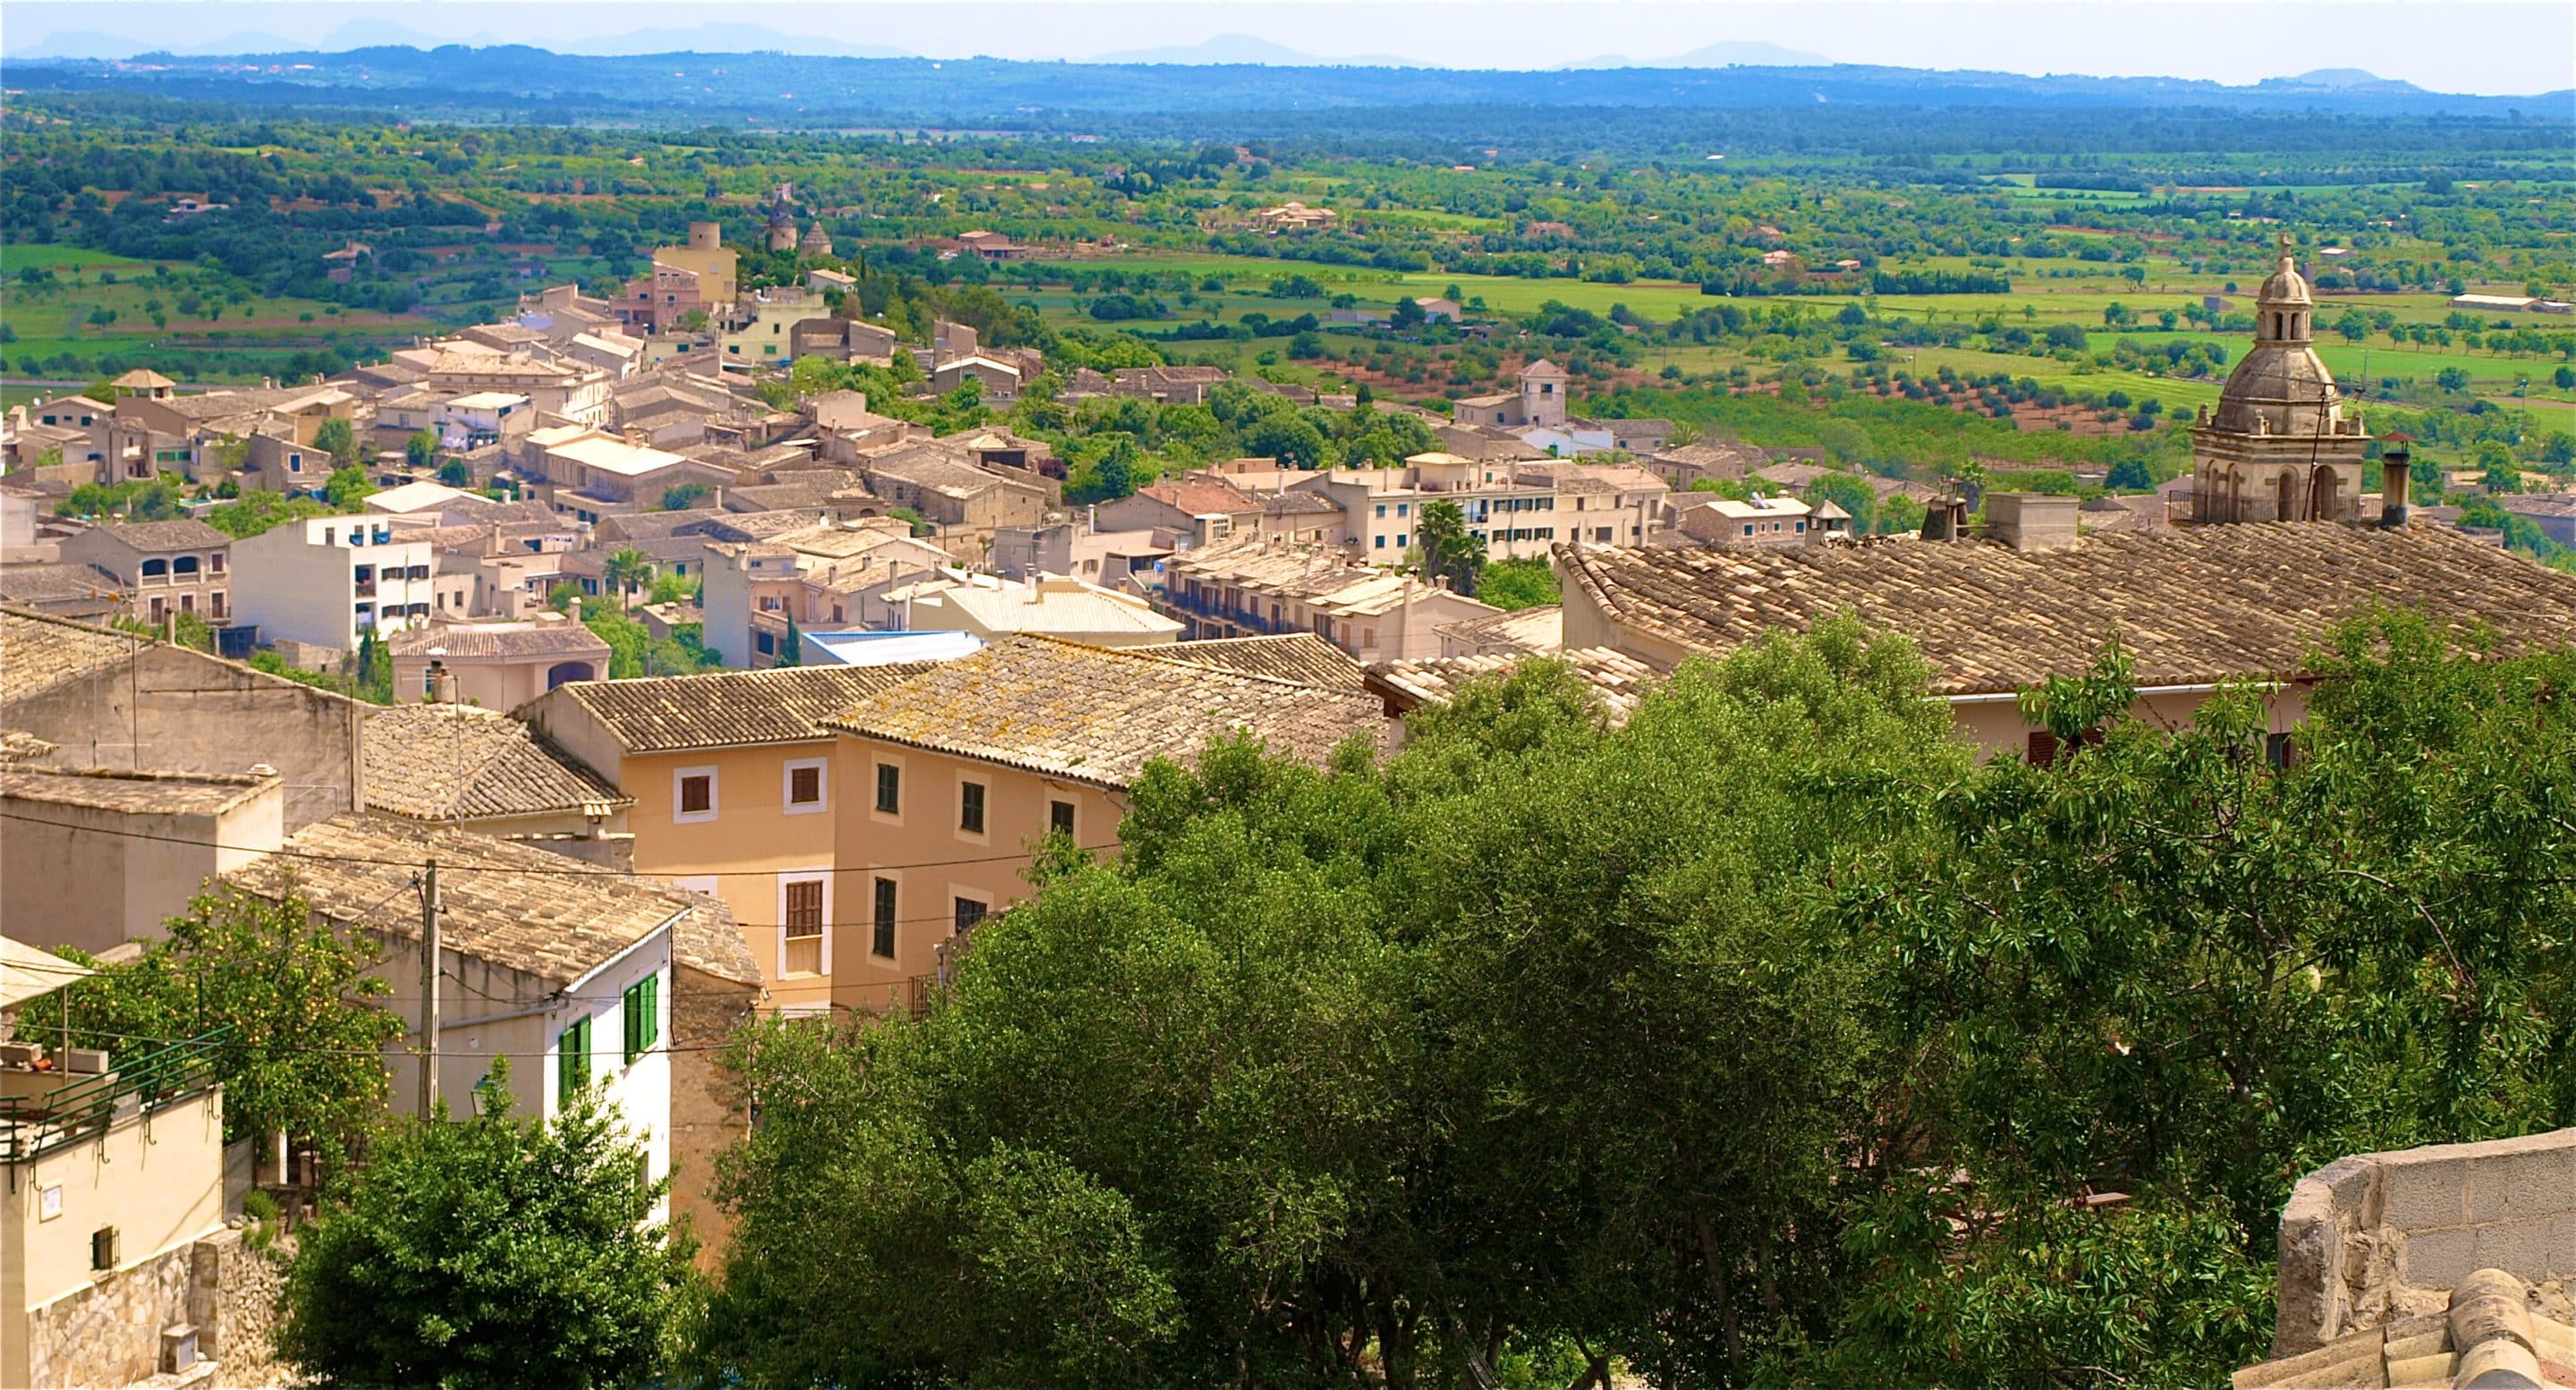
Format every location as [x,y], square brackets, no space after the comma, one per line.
[2280,447]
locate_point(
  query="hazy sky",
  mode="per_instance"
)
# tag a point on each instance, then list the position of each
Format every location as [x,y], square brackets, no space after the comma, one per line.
[2487,47]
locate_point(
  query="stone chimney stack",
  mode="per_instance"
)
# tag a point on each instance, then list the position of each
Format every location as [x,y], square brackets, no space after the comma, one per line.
[438,683]
[2396,472]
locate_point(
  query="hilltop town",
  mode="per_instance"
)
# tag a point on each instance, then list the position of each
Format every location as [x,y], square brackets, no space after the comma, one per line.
[1216,865]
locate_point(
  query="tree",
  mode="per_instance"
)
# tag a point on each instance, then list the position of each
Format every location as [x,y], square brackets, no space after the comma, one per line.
[1513,584]
[626,570]
[791,646]
[1860,1017]
[306,1028]
[348,488]
[1449,551]
[684,496]
[2130,475]
[2500,472]
[421,451]
[336,438]
[456,473]
[489,1252]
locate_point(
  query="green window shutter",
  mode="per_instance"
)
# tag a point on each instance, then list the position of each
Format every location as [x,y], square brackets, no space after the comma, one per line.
[630,1013]
[572,1059]
[652,1011]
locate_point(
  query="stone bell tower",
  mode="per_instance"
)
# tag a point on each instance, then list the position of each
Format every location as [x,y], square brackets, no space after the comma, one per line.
[2280,447]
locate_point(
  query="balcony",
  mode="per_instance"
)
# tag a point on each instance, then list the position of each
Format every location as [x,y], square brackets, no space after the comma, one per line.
[41,1111]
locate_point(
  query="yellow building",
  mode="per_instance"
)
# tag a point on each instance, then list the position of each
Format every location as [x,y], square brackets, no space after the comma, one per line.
[734,793]
[952,779]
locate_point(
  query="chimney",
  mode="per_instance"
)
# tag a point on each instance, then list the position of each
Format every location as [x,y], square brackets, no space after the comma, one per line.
[438,683]
[2029,521]
[572,610]
[2396,471]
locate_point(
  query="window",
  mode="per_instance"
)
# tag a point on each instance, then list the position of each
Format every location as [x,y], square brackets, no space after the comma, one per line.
[768,644]
[2277,750]
[2043,748]
[889,789]
[802,910]
[804,787]
[185,564]
[642,1008]
[215,563]
[156,569]
[572,1060]
[970,807]
[1381,542]
[882,919]
[1060,818]
[693,794]
[970,912]
[1402,540]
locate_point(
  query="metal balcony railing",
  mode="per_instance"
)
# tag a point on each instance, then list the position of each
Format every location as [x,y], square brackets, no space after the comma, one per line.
[33,1125]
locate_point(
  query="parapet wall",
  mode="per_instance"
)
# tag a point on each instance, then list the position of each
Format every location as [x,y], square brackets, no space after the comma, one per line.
[2377,1237]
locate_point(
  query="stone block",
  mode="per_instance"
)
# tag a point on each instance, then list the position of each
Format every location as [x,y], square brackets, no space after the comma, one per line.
[2522,1186]
[2533,1250]
[2440,1259]
[2427,1193]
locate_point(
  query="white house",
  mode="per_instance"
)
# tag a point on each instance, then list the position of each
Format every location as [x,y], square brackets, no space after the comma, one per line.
[567,974]
[328,580]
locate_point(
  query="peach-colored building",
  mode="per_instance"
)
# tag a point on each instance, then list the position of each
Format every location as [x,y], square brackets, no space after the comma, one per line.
[497,665]
[736,793]
[953,778]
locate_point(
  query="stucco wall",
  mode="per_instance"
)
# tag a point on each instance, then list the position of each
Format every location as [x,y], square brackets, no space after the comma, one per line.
[753,840]
[95,878]
[2376,1237]
[931,860]
[173,709]
[157,1179]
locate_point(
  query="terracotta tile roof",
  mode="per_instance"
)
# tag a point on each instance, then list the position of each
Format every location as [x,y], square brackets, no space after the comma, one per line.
[934,466]
[457,762]
[18,746]
[1302,657]
[40,652]
[563,641]
[709,939]
[515,906]
[730,709]
[1093,715]
[59,584]
[2193,606]
[133,793]
[1202,497]
[1535,629]
[1617,679]
[186,533]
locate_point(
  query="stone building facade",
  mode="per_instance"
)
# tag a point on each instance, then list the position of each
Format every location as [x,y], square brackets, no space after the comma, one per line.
[2280,447]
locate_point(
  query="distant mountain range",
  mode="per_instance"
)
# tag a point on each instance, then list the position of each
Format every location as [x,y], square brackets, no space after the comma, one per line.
[753,76]
[379,33]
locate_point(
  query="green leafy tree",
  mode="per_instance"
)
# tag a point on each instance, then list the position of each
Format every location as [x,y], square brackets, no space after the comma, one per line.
[348,489]
[456,473]
[1513,584]
[791,646]
[1448,549]
[252,513]
[337,438]
[306,1023]
[490,1252]
[421,451]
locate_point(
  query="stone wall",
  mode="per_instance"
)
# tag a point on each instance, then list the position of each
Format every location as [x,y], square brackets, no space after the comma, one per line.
[232,1299]
[2376,1237]
[707,1113]
[110,1332]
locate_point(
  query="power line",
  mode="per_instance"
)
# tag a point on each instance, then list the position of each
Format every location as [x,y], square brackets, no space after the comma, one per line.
[520,869]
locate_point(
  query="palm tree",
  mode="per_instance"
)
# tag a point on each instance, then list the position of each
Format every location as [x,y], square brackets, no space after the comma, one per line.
[626,571]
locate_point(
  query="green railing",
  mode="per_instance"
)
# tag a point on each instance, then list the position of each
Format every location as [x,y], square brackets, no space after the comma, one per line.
[31,1126]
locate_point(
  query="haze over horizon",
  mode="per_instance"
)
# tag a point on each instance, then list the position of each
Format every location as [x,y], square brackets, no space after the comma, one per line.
[2452,48]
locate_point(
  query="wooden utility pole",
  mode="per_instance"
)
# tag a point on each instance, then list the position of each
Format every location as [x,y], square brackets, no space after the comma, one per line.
[429,989]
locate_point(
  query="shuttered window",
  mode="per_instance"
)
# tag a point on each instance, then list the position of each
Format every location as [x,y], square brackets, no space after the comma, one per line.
[572,1060]
[643,1011]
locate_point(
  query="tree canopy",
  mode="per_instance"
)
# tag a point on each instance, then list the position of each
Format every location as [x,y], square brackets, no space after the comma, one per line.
[1769,1036]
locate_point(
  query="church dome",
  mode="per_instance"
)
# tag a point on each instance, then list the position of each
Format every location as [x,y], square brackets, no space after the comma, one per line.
[2287,286]
[2279,388]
